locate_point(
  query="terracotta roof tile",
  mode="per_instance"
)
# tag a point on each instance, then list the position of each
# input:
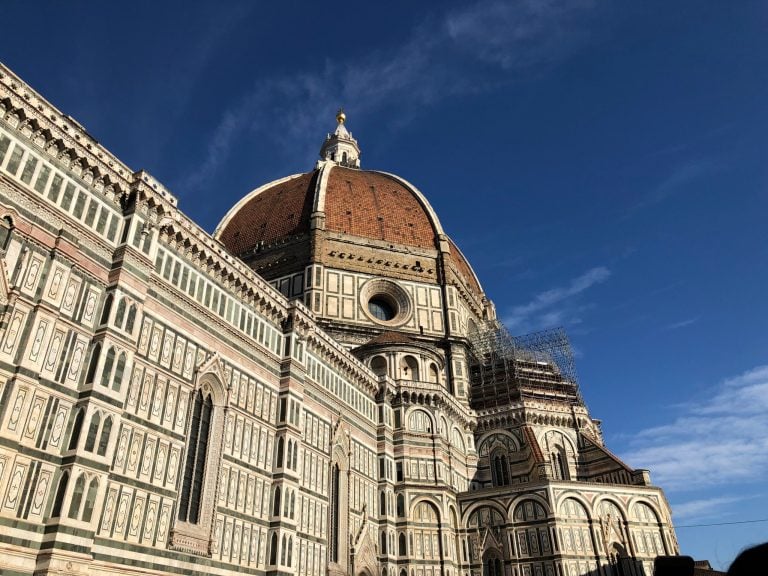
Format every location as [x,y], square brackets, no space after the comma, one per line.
[275,213]
[373,205]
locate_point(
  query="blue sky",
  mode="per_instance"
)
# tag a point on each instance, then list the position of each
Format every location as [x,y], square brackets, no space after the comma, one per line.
[601,164]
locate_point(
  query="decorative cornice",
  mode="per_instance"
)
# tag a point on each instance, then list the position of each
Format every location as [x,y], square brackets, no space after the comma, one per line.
[61,137]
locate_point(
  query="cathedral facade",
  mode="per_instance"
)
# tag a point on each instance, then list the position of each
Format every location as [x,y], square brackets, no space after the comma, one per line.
[320,387]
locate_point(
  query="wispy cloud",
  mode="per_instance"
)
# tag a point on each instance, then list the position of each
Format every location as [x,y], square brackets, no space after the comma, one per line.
[520,33]
[555,306]
[679,179]
[681,324]
[722,439]
[439,60]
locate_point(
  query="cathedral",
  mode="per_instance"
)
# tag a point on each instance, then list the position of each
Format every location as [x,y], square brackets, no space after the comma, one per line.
[320,387]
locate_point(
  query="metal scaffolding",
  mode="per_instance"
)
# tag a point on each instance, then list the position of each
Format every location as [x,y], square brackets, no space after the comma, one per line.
[505,368]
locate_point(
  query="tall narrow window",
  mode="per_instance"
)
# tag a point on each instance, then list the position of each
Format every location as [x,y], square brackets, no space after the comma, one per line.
[279,458]
[500,470]
[77,497]
[334,540]
[107,308]
[76,428]
[194,468]
[290,552]
[93,429]
[276,503]
[117,381]
[109,362]
[131,319]
[94,362]
[273,550]
[58,501]
[90,500]
[120,314]
[289,457]
[106,430]
[6,228]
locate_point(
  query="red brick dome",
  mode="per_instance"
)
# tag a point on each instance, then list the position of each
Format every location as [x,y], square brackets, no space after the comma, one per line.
[362,203]
[278,227]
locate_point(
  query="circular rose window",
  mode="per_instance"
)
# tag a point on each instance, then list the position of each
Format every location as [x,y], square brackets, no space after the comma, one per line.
[385,302]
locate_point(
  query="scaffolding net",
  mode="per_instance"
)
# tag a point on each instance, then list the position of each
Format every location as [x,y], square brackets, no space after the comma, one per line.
[505,369]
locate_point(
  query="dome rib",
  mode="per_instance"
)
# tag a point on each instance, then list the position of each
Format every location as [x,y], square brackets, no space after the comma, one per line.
[378,206]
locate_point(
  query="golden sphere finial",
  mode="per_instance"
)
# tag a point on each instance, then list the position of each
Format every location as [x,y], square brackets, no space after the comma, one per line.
[340,116]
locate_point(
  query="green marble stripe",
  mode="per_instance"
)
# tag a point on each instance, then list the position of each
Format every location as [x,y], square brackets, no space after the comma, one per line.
[247,465]
[176,556]
[135,419]
[221,509]
[141,485]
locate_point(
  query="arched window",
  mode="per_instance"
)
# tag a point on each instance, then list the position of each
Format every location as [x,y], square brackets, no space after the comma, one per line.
[109,362]
[120,314]
[492,566]
[434,375]
[382,503]
[410,368]
[106,310]
[76,428]
[559,465]
[279,456]
[293,504]
[290,551]
[94,362]
[419,421]
[290,454]
[285,549]
[400,505]
[104,437]
[6,230]
[117,381]
[194,469]
[90,500]
[276,503]
[383,542]
[287,507]
[131,319]
[379,365]
[273,550]
[335,509]
[401,548]
[93,429]
[499,469]
[294,463]
[58,501]
[77,497]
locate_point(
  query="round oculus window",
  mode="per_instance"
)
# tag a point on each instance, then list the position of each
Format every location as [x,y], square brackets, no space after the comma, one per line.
[381,309]
[385,302]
